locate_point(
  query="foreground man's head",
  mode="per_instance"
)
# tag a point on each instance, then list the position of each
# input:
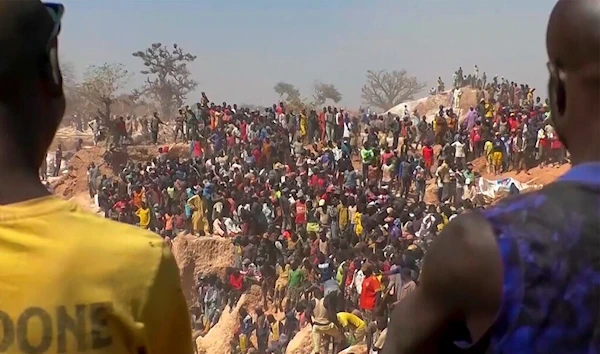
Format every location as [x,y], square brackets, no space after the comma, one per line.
[573,42]
[31,96]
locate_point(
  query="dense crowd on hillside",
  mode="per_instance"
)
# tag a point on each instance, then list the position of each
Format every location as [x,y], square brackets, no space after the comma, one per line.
[328,211]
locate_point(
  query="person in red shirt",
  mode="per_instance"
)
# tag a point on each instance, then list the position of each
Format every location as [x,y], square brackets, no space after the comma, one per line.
[197,149]
[386,155]
[428,158]
[312,182]
[322,123]
[244,131]
[321,181]
[230,141]
[178,222]
[300,213]
[556,151]
[513,123]
[257,156]
[370,294]
[236,281]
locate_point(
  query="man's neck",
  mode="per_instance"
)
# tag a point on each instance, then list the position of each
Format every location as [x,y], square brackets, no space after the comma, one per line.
[17,186]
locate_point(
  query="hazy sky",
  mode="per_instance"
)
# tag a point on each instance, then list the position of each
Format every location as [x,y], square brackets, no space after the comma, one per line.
[244,47]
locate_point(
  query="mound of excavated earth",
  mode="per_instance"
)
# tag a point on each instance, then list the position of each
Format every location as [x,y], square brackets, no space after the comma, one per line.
[198,256]
[430,105]
[74,181]
[218,339]
[536,175]
[301,343]
[355,349]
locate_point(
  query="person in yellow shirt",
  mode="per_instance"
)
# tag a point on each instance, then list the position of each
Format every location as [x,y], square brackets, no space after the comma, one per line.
[303,125]
[283,276]
[72,282]
[353,326]
[489,111]
[342,209]
[143,213]
[358,228]
[488,148]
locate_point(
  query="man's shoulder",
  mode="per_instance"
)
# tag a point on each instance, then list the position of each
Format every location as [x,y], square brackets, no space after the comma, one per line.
[107,235]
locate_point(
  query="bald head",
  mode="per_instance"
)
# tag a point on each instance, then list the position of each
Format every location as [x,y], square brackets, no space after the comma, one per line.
[573,41]
[573,35]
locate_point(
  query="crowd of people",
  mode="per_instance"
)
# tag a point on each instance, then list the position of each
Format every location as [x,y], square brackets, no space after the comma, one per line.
[328,211]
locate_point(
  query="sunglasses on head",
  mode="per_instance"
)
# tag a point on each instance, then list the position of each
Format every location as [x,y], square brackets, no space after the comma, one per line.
[56,11]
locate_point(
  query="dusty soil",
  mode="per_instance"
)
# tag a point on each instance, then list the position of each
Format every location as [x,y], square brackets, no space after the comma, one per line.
[198,256]
[536,175]
[355,349]
[218,339]
[75,181]
[68,136]
[301,343]
[430,105]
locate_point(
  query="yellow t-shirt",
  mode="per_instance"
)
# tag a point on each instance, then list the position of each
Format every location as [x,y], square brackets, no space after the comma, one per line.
[346,318]
[73,282]
[342,215]
[144,215]
[358,222]
[488,147]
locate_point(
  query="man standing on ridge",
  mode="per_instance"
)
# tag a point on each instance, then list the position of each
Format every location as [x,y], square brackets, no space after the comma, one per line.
[522,276]
[72,282]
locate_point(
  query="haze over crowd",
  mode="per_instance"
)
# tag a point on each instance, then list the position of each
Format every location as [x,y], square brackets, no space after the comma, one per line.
[244,48]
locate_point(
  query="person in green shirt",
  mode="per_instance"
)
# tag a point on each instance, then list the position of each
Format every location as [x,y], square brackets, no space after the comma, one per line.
[366,157]
[295,283]
[468,173]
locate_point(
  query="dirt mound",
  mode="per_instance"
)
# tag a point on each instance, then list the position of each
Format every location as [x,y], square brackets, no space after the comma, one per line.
[145,153]
[355,349]
[74,181]
[218,339]
[68,137]
[301,343]
[430,105]
[536,175]
[198,256]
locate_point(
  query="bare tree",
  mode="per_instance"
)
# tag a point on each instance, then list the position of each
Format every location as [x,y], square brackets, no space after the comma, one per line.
[386,89]
[75,102]
[101,86]
[67,70]
[168,79]
[323,92]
